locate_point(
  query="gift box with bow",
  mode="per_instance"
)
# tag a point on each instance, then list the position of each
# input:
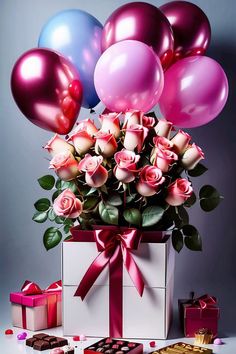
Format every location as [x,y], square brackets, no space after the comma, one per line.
[35,309]
[117,282]
[197,313]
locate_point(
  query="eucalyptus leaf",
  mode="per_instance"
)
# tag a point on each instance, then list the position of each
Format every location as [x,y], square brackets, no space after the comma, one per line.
[133,216]
[52,237]
[177,240]
[197,170]
[209,198]
[46,182]
[42,204]
[108,213]
[151,215]
[40,216]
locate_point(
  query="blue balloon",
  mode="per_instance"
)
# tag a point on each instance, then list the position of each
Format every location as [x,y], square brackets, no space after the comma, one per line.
[76,35]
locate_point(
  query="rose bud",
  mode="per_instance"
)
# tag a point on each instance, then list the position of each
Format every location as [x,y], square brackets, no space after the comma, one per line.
[138,117]
[111,123]
[125,169]
[163,159]
[150,179]
[178,192]
[192,156]
[87,125]
[65,166]
[135,136]
[162,143]
[181,141]
[57,144]
[95,174]
[82,141]
[105,144]
[163,128]
[67,205]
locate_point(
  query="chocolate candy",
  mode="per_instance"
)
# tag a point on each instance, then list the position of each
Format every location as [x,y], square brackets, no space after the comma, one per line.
[120,342]
[125,349]
[113,346]
[110,351]
[101,350]
[182,348]
[67,349]
[131,345]
[43,341]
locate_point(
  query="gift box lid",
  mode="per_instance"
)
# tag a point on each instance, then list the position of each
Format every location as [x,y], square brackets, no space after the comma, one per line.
[34,300]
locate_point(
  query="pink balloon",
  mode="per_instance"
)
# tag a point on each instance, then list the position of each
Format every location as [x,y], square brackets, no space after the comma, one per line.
[195,92]
[129,75]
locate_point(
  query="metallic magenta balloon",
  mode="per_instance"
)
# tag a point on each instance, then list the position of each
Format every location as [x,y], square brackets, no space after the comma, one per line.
[195,92]
[128,75]
[142,22]
[191,27]
[47,89]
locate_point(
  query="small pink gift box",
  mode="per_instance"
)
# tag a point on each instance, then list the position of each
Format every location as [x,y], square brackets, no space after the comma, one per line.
[35,309]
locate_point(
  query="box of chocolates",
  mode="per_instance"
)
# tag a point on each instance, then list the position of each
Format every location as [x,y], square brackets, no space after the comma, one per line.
[182,348]
[35,309]
[114,346]
[112,309]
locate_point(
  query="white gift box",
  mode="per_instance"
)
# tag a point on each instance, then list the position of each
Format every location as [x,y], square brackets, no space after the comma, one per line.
[148,316]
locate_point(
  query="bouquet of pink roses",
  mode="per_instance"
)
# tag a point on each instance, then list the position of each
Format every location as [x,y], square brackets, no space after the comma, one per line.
[135,171]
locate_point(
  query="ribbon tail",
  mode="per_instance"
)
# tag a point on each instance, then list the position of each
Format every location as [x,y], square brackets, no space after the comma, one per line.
[92,274]
[133,270]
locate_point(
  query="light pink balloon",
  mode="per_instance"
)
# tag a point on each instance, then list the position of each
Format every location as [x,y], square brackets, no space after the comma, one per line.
[129,75]
[195,92]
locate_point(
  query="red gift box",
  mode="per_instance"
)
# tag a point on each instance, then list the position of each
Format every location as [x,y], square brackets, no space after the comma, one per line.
[202,312]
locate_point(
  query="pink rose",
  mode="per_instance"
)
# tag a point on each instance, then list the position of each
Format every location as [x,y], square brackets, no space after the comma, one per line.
[150,180]
[65,165]
[67,205]
[135,136]
[105,144]
[138,117]
[163,159]
[181,141]
[192,156]
[125,169]
[82,141]
[95,174]
[111,123]
[57,144]
[179,191]
[88,126]
[163,128]
[162,143]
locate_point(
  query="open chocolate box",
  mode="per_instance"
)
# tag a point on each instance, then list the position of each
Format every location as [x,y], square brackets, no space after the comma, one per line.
[114,346]
[182,348]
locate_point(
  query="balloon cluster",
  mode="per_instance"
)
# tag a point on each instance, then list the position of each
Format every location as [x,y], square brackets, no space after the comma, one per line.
[143,55]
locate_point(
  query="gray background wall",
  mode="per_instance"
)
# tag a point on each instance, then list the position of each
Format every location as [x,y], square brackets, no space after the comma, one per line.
[22,162]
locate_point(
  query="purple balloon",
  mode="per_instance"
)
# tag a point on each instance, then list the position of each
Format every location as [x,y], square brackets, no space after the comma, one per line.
[191,28]
[129,75]
[195,92]
[141,22]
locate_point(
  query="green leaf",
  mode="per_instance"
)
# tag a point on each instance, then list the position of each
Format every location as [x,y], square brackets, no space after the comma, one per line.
[46,182]
[191,201]
[90,202]
[108,213]
[56,194]
[133,216]
[192,238]
[51,238]
[130,198]
[197,170]
[114,199]
[104,189]
[59,220]
[67,237]
[177,240]
[61,185]
[151,215]
[42,204]
[66,229]
[183,215]
[51,214]
[189,230]
[209,198]
[40,217]
[91,191]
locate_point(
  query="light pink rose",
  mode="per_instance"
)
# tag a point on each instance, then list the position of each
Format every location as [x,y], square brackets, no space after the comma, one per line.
[125,169]
[162,143]
[88,126]
[105,144]
[82,141]
[163,128]
[67,205]
[65,166]
[181,141]
[95,174]
[192,156]
[57,144]
[111,123]
[138,117]
[163,159]
[150,180]
[178,192]
[135,136]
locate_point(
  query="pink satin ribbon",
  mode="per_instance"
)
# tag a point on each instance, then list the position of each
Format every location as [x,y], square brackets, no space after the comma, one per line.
[31,288]
[114,246]
[205,301]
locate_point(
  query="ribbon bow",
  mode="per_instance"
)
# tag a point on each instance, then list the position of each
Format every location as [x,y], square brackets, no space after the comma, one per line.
[114,246]
[204,301]
[31,288]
